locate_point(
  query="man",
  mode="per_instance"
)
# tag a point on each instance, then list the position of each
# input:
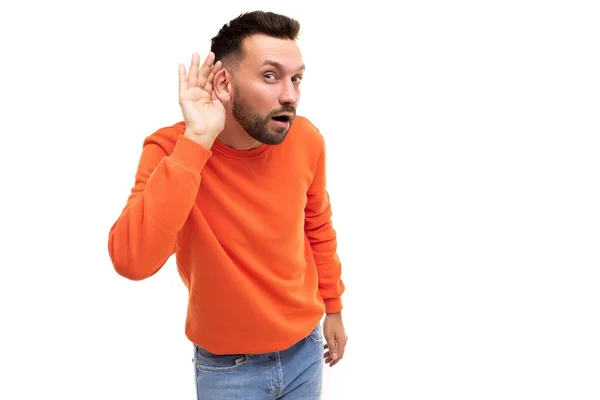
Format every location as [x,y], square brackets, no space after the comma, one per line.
[237,191]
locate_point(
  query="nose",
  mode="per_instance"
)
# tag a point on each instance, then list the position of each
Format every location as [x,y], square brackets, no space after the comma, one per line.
[289,94]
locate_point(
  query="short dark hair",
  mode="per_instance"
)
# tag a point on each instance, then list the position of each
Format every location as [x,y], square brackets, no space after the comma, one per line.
[228,42]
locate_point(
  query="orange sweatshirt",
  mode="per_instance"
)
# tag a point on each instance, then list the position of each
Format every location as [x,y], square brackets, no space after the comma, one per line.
[251,231]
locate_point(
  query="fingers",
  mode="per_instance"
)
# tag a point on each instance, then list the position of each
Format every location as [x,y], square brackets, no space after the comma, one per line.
[208,85]
[193,75]
[340,351]
[203,72]
[336,348]
[327,355]
[333,348]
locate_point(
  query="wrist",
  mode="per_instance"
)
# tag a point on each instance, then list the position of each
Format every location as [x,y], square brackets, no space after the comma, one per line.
[204,140]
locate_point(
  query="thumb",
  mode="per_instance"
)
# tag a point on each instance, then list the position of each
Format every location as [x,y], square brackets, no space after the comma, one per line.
[182,78]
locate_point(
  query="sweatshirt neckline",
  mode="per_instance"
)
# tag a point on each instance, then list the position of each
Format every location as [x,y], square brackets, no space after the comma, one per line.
[227,151]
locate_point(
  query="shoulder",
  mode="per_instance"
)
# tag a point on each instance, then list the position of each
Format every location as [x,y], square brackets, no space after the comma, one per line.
[304,131]
[166,137]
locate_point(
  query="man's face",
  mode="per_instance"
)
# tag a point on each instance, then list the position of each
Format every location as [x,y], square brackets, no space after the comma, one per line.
[267,87]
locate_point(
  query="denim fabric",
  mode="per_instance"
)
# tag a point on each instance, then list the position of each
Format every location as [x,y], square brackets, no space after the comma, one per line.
[291,374]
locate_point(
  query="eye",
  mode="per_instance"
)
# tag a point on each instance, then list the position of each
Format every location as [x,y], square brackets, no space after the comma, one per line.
[297,79]
[270,76]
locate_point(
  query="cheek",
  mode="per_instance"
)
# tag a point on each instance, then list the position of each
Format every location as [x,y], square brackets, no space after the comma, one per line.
[263,96]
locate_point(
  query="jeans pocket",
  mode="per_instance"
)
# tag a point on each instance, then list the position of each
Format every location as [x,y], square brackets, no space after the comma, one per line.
[316,335]
[207,361]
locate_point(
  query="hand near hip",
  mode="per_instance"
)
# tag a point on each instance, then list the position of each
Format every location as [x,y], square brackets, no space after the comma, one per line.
[336,338]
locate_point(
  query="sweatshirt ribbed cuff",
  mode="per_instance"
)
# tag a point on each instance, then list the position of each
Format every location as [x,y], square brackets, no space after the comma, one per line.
[190,154]
[333,305]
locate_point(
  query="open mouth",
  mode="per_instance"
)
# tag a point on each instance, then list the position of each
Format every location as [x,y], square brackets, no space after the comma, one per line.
[282,118]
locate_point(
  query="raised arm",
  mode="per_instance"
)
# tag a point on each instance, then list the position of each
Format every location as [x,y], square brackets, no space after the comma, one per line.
[166,183]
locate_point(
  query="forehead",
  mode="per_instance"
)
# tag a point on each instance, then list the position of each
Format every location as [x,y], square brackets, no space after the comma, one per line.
[259,50]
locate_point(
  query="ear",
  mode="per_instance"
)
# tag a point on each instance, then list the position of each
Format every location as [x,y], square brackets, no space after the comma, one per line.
[222,85]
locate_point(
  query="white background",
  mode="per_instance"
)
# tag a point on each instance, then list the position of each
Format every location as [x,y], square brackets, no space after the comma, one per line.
[464,167]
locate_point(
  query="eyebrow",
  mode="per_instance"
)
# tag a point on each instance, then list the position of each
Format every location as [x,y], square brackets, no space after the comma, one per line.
[279,66]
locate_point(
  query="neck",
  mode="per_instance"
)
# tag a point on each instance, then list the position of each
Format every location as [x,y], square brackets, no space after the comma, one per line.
[234,136]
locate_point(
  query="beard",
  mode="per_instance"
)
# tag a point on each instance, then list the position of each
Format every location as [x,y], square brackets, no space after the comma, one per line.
[257,126]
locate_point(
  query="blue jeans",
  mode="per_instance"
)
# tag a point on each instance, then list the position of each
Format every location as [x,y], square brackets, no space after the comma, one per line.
[291,374]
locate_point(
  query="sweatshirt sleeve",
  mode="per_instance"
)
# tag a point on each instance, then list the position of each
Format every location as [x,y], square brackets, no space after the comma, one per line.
[322,237]
[166,185]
